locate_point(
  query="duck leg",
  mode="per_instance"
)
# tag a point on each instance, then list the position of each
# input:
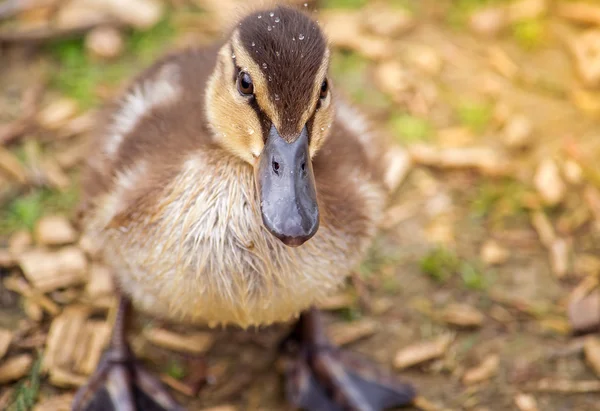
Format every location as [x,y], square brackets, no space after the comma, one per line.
[319,377]
[120,383]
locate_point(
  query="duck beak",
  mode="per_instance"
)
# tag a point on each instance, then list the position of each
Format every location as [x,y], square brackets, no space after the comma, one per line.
[286,186]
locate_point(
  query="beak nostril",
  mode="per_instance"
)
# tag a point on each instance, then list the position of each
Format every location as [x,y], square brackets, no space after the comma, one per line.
[275,165]
[303,166]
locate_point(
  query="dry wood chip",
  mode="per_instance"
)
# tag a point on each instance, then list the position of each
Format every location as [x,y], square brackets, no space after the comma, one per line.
[5,340]
[343,334]
[101,282]
[337,302]
[544,228]
[567,386]
[387,22]
[12,167]
[56,403]
[422,352]
[20,241]
[7,259]
[52,174]
[104,43]
[72,155]
[19,285]
[15,368]
[96,338]
[398,165]
[196,343]
[526,10]
[462,315]
[518,132]
[579,12]
[488,21]
[57,113]
[584,313]
[179,386]
[64,339]
[54,230]
[77,125]
[526,402]
[591,349]
[559,257]
[33,310]
[493,253]
[484,371]
[48,270]
[484,159]
[548,182]
[586,48]
[391,78]
[63,378]
[220,408]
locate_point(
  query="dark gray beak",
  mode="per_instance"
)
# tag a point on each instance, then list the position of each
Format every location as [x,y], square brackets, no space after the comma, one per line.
[286,186]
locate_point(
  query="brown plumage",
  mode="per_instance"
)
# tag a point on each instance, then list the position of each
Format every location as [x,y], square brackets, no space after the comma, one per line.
[175,178]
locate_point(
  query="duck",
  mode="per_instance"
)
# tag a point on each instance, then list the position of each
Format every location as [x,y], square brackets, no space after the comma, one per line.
[231,184]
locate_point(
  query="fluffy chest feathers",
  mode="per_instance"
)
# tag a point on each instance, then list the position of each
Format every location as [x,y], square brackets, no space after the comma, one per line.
[199,251]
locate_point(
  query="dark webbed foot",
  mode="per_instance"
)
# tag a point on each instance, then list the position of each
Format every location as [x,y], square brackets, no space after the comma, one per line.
[120,383]
[319,377]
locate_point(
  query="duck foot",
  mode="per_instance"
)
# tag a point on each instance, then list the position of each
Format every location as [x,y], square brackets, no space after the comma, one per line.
[120,383]
[320,377]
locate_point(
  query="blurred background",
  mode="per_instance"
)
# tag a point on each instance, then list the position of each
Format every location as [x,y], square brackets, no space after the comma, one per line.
[482,286]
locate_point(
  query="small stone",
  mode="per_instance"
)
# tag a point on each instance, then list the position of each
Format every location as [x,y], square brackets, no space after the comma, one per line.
[55,230]
[548,183]
[584,312]
[462,315]
[493,253]
[421,352]
[484,371]
[57,113]
[591,350]
[518,132]
[196,343]
[104,43]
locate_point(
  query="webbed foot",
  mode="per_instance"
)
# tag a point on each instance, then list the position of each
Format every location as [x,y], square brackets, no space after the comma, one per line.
[120,383]
[320,377]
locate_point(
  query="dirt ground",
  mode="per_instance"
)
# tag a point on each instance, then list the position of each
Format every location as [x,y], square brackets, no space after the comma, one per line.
[493,236]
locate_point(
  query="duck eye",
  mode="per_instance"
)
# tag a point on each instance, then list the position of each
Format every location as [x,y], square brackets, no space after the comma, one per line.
[244,84]
[324,88]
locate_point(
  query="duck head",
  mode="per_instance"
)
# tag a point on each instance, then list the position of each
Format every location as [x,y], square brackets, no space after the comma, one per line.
[269,103]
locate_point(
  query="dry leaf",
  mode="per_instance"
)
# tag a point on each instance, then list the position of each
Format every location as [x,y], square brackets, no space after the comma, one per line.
[421,352]
[484,371]
[462,315]
[196,343]
[15,368]
[54,230]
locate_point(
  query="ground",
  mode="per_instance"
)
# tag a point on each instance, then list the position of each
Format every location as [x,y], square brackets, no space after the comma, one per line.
[493,235]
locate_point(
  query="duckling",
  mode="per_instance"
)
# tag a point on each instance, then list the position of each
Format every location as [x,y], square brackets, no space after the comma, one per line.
[230,185]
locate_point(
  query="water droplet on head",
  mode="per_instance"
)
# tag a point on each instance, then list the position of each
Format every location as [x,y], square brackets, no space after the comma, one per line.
[276,96]
[253,44]
[300,36]
[305,4]
[277,53]
[271,14]
[269,28]
[250,130]
[277,20]
[270,78]
[322,128]
[260,16]
[264,65]
[293,38]
[233,56]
